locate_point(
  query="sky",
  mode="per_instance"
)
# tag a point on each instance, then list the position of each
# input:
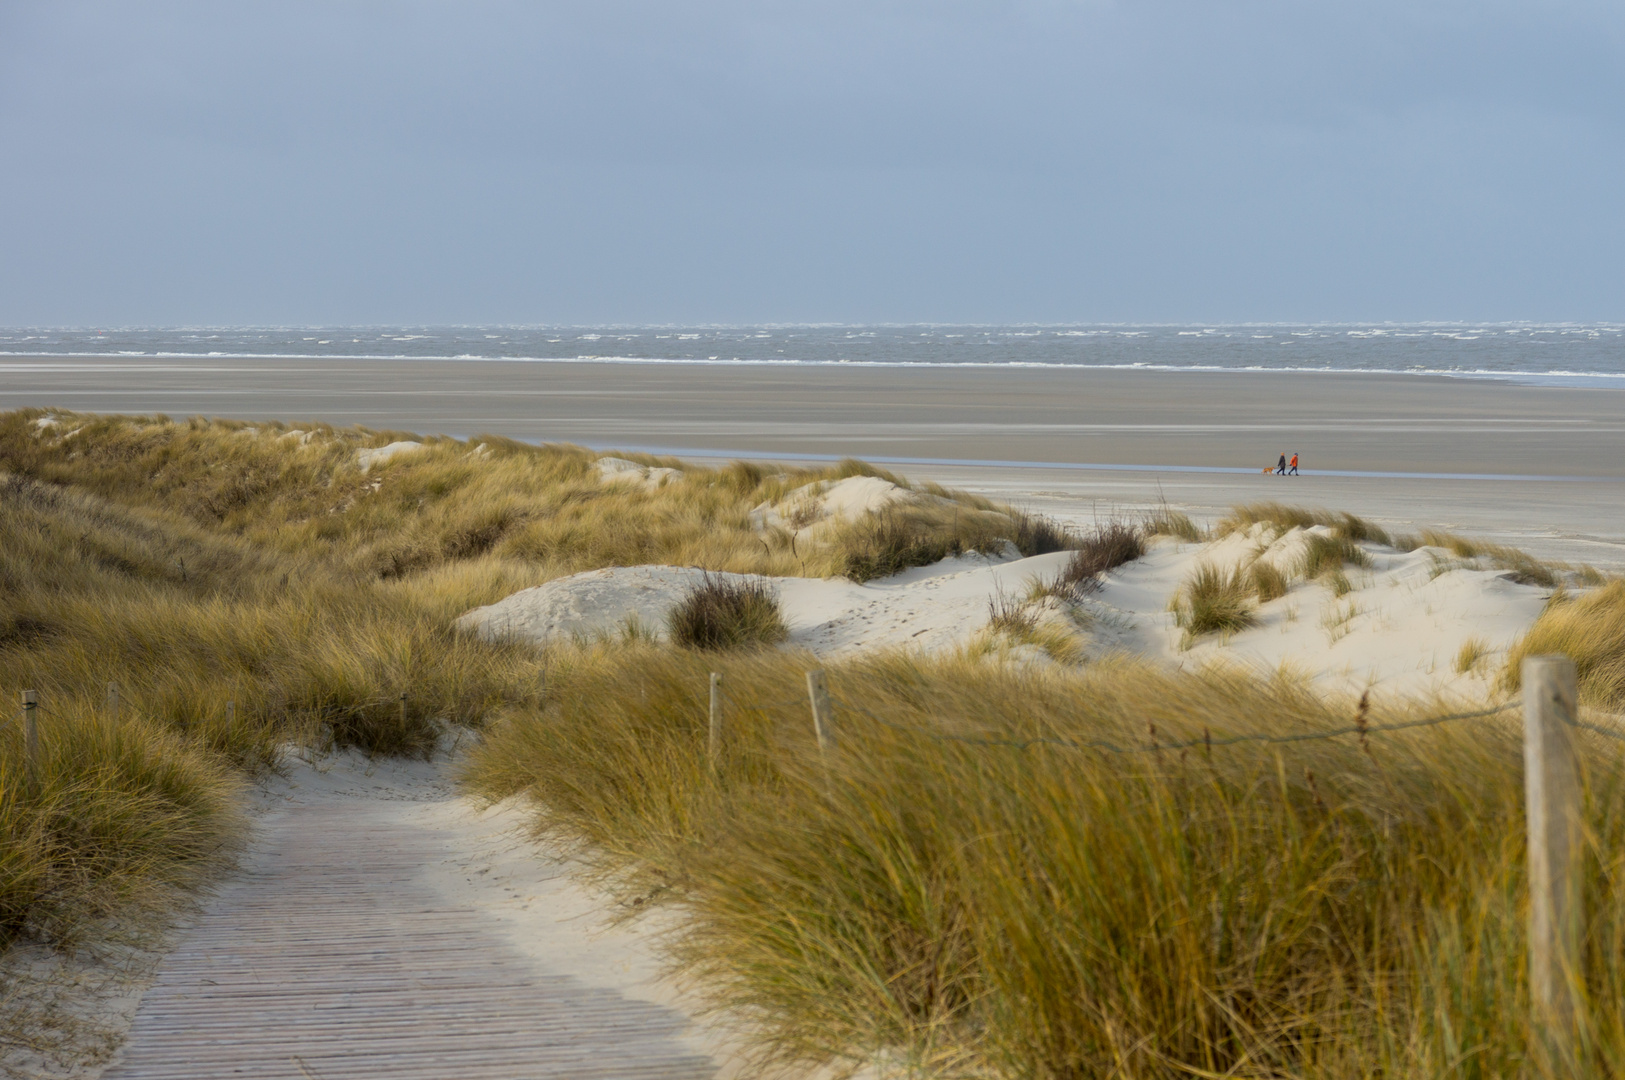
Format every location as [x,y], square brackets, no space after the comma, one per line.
[621,161]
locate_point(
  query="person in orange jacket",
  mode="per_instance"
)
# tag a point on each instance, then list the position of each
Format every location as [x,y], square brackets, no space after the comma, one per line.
[1293,471]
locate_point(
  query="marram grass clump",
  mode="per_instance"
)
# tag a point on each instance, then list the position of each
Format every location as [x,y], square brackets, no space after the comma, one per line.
[1590,629]
[1214,601]
[720,613]
[118,819]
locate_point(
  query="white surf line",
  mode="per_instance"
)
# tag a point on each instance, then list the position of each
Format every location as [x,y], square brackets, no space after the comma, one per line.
[341,952]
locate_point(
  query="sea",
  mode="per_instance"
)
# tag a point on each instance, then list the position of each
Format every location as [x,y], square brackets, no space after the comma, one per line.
[1576,354]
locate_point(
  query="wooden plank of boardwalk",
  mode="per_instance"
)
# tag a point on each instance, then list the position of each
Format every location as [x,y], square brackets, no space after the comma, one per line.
[330,959]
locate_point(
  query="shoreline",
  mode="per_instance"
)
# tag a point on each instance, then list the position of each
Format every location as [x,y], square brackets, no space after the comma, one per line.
[1557,379]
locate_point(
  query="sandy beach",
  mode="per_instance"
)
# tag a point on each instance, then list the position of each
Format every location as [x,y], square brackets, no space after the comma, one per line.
[1535,466]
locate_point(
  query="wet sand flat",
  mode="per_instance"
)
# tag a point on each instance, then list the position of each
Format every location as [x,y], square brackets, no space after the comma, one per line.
[1024,433]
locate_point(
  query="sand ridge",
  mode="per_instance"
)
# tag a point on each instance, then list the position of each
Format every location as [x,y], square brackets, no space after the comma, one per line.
[1401,626]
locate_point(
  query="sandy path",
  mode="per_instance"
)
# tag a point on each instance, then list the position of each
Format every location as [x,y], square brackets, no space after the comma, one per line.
[382,927]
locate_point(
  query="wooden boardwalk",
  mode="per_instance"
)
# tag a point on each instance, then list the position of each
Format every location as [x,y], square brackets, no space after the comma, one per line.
[330,959]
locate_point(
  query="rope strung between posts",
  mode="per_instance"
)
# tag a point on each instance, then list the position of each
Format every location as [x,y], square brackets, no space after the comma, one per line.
[1187,744]
[1207,741]
[1595,729]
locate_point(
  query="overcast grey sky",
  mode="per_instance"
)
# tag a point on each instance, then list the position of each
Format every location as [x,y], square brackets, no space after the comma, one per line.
[779,160]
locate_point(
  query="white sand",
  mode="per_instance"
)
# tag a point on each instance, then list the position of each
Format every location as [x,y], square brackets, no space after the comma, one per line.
[812,508]
[1399,629]
[377,455]
[614,470]
[931,607]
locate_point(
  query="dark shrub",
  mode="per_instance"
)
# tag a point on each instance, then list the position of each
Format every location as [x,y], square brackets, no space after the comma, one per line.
[1038,535]
[1108,546]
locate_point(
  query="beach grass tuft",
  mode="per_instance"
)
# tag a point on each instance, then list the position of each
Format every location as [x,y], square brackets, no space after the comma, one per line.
[1267,580]
[1472,651]
[1166,521]
[1214,601]
[727,614]
[1590,629]
[1326,555]
[1524,568]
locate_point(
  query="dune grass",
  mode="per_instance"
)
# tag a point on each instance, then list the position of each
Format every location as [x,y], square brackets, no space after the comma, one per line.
[1590,629]
[1472,651]
[1214,601]
[1014,908]
[1525,569]
[1166,521]
[727,614]
[1267,581]
[1324,555]
[1283,517]
[118,820]
[543,509]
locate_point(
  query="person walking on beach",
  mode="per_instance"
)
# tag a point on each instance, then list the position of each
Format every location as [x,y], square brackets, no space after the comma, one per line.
[1280,466]
[1293,471]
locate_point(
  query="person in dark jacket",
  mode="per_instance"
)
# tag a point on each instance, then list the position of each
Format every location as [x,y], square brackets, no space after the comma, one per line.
[1280,466]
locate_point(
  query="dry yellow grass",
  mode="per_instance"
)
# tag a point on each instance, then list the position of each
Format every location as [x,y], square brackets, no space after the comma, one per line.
[119,820]
[1590,629]
[1007,906]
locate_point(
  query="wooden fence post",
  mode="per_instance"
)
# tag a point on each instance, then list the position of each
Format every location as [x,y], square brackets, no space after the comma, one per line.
[403,710]
[31,739]
[823,712]
[112,699]
[713,745]
[1556,858]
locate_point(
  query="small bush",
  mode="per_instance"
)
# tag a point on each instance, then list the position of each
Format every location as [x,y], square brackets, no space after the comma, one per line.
[1267,581]
[1213,601]
[727,614]
[1039,535]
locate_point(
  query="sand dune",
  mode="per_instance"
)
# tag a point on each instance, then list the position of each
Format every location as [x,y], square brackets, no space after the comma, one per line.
[1400,628]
